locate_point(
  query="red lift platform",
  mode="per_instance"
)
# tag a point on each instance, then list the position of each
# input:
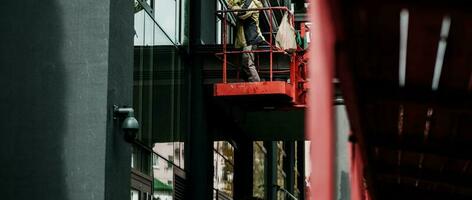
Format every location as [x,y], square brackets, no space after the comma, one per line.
[290,92]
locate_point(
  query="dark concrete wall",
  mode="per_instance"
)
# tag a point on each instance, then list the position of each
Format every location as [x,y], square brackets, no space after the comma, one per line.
[203,22]
[62,63]
[120,86]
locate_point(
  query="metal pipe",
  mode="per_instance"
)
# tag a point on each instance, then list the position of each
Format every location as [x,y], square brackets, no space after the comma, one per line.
[287,193]
[294,77]
[151,15]
[224,47]
[256,9]
[276,71]
[270,42]
[252,51]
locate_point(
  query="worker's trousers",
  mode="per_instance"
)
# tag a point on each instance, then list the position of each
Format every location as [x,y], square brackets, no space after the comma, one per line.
[249,66]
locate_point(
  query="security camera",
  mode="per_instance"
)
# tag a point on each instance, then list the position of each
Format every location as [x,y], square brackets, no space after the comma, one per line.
[130,125]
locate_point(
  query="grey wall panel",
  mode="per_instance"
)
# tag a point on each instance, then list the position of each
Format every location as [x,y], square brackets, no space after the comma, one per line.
[54,68]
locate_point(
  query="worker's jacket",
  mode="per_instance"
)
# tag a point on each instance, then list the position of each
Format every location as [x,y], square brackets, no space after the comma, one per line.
[248,31]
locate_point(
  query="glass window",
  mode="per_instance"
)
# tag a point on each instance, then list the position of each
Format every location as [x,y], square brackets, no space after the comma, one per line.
[223,154]
[155,161]
[133,158]
[160,91]
[258,169]
[150,3]
[280,170]
[134,194]
[166,15]
[160,82]
[230,25]
[163,179]
[169,162]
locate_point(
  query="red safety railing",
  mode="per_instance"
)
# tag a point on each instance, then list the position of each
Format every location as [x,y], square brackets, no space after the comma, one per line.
[272,48]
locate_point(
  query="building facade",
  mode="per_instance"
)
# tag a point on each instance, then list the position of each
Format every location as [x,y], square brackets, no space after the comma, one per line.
[174,67]
[65,65]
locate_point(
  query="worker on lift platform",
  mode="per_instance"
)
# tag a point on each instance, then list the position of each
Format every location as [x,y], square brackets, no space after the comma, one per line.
[248,35]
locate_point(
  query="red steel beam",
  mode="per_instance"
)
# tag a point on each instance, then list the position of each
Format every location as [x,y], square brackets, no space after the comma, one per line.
[356,184]
[326,29]
[319,120]
[253,88]
[358,188]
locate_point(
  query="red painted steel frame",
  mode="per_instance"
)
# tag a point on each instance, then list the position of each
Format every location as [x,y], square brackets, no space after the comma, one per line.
[270,42]
[358,190]
[225,60]
[319,120]
[253,88]
[296,89]
[272,48]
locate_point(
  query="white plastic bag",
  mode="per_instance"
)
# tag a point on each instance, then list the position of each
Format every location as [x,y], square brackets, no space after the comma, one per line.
[285,38]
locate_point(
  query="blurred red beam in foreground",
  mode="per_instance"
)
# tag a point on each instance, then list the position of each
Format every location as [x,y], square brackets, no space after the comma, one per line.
[319,120]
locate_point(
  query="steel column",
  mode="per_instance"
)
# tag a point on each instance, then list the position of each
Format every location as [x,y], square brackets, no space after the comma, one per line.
[225,24]
[271,47]
[271,166]
[301,168]
[243,169]
[358,188]
[320,111]
[289,166]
